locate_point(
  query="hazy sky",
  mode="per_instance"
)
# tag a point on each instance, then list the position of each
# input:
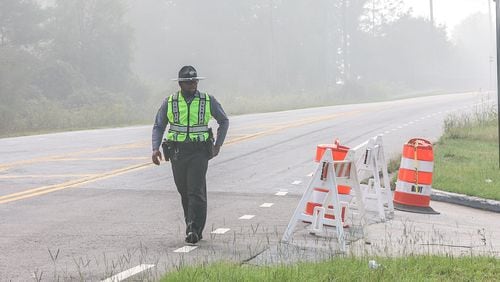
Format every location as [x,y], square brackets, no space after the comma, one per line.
[449,12]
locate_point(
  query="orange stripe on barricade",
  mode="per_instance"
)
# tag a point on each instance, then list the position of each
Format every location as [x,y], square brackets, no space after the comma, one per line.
[341,169]
[343,189]
[411,199]
[409,175]
[318,196]
[338,151]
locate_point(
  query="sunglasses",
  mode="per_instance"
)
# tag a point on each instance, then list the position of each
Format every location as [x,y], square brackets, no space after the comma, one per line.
[194,81]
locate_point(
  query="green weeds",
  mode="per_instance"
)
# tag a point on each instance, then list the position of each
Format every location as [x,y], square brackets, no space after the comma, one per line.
[411,268]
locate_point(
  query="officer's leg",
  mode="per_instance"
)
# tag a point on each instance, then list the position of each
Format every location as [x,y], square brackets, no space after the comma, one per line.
[179,170]
[197,191]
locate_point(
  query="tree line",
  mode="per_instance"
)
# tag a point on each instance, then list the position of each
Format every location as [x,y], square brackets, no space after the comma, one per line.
[66,66]
[70,64]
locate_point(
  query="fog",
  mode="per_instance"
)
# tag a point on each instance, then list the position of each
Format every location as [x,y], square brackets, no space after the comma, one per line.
[86,63]
[280,47]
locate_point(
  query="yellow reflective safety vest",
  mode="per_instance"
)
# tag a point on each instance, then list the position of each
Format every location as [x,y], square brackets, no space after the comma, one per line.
[188,120]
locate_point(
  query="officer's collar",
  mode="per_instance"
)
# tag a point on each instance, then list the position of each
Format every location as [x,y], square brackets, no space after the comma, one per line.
[196,94]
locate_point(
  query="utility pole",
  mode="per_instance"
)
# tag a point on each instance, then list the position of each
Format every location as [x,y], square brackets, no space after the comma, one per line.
[345,62]
[431,7]
[490,49]
[330,50]
[373,17]
[272,55]
[498,76]
[432,42]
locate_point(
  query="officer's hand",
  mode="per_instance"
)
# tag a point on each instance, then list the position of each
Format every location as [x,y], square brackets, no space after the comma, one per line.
[156,157]
[216,150]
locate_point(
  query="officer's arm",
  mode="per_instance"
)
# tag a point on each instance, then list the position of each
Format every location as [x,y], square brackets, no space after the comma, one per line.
[221,117]
[159,126]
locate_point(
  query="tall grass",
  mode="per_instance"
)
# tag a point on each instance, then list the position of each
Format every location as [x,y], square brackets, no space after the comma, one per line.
[475,126]
[42,115]
[466,156]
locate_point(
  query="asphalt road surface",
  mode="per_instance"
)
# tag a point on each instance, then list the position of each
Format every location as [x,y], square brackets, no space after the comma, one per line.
[88,205]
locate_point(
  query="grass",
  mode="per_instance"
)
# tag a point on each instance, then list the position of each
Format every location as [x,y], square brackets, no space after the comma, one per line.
[466,156]
[411,268]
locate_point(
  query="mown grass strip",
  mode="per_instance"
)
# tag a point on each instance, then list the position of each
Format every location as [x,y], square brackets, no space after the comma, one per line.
[412,268]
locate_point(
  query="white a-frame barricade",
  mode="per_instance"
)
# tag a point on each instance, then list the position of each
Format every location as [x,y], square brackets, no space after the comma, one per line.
[371,164]
[328,175]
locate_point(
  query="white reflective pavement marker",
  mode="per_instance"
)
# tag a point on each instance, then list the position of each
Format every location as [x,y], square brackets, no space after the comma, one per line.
[185,249]
[127,273]
[266,205]
[247,216]
[220,230]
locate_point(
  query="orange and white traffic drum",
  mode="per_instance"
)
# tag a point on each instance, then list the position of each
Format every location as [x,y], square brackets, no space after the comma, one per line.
[414,185]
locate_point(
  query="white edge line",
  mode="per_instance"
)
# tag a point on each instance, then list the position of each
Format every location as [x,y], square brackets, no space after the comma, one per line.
[127,273]
[220,230]
[185,249]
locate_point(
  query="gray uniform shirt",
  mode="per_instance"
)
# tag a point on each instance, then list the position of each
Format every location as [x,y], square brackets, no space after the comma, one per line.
[161,121]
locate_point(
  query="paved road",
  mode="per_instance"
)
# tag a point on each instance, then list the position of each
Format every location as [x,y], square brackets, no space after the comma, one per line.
[89,204]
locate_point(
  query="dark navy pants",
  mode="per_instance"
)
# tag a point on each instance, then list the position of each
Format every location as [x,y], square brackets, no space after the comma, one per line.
[189,166]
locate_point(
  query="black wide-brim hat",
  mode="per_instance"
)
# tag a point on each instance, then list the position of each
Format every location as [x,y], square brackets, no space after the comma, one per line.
[188,73]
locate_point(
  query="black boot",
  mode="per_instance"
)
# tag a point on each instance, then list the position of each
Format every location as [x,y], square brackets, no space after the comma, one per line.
[192,238]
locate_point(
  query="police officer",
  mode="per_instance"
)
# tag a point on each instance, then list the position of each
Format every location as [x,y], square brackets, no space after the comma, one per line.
[189,145]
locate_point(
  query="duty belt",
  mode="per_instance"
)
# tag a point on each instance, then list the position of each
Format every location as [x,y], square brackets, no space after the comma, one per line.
[190,145]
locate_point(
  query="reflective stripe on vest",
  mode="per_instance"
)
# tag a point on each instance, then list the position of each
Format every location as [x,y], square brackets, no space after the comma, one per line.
[188,119]
[193,129]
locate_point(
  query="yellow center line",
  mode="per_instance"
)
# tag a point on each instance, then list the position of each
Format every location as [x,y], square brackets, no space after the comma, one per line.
[45,176]
[73,183]
[87,151]
[289,125]
[103,159]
